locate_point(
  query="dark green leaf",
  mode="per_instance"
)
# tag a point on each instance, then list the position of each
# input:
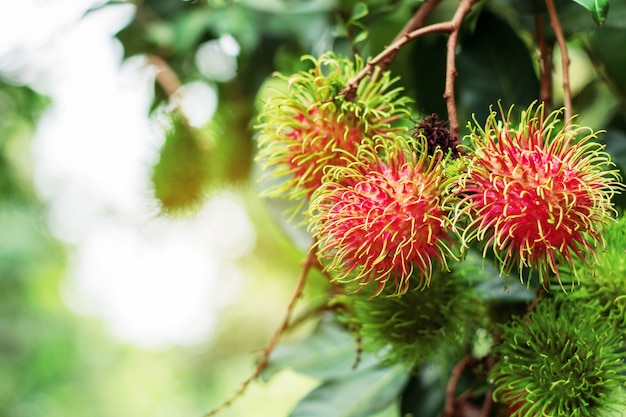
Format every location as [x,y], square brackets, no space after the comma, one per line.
[597,8]
[491,70]
[424,395]
[360,393]
[608,47]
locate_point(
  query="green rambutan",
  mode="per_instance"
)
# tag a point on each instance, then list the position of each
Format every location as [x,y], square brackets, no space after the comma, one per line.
[605,281]
[560,360]
[416,326]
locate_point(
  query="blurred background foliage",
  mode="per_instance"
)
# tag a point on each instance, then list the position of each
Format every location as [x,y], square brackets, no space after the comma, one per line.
[55,362]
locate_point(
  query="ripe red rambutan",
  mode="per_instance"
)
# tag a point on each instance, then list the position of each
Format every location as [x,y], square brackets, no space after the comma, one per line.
[537,195]
[311,125]
[382,216]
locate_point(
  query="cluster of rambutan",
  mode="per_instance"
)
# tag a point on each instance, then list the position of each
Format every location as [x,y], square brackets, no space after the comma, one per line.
[390,209]
[385,205]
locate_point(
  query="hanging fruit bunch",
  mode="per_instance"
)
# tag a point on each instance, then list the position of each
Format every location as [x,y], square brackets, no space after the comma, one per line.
[407,217]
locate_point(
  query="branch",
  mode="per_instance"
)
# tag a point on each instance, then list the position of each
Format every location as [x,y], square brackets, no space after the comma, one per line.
[165,75]
[545,63]
[565,61]
[451,27]
[454,380]
[464,8]
[418,18]
[309,263]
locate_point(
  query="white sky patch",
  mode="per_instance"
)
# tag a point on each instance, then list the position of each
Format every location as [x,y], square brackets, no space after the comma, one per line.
[152,280]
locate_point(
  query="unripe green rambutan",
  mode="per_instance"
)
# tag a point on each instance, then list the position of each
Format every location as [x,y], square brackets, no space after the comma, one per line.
[560,360]
[312,125]
[416,326]
[605,281]
[539,194]
[382,217]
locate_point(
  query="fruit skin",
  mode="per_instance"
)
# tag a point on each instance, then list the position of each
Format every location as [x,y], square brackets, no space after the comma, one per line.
[383,218]
[605,281]
[417,326]
[312,125]
[537,195]
[560,360]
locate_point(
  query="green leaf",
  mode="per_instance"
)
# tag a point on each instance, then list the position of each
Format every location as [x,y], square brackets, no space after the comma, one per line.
[598,9]
[330,352]
[424,395]
[358,394]
[493,71]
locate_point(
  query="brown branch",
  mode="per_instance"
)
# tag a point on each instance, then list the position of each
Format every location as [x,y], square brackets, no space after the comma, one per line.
[545,63]
[451,27]
[165,75]
[451,389]
[486,408]
[464,8]
[565,61]
[418,18]
[390,51]
[309,263]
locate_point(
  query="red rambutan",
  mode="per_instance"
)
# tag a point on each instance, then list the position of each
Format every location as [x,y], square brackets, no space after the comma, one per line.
[382,216]
[537,195]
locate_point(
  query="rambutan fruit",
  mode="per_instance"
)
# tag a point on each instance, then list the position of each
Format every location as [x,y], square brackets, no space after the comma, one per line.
[416,326]
[311,125]
[382,216]
[560,360]
[605,281]
[538,195]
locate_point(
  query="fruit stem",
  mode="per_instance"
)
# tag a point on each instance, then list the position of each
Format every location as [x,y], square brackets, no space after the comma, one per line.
[310,262]
[452,27]
[565,61]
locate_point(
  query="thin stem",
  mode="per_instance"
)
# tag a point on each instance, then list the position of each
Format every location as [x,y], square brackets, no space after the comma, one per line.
[309,263]
[454,380]
[389,52]
[565,61]
[545,63]
[464,8]
[451,27]
[165,75]
[486,408]
[418,18]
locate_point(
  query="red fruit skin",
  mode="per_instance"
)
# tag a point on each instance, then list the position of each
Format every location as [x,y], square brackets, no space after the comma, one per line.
[383,221]
[317,141]
[536,197]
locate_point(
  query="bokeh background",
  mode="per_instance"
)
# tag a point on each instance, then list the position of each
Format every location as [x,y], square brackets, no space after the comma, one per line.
[107,306]
[140,272]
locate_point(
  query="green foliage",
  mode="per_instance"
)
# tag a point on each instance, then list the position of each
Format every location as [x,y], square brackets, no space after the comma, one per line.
[347,388]
[598,9]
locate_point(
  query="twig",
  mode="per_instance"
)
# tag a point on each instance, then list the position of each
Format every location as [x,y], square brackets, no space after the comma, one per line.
[484,411]
[545,63]
[464,8]
[418,18]
[309,262]
[454,380]
[165,75]
[565,61]
[451,27]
